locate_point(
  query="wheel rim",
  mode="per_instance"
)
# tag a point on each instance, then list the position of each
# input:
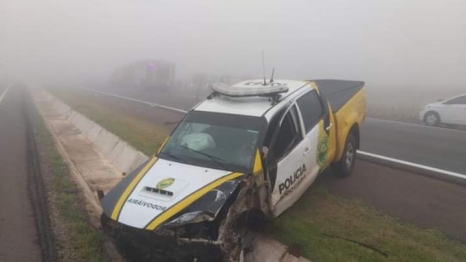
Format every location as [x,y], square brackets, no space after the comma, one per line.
[431,119]
[349,155]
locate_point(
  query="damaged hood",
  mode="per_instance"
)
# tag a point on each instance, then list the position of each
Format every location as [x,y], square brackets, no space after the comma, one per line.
[162,191]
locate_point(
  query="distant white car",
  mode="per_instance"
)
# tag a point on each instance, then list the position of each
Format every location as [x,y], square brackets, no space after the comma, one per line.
[451,111]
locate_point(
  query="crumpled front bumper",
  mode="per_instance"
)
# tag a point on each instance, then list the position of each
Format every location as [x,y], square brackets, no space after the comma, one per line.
[159,245]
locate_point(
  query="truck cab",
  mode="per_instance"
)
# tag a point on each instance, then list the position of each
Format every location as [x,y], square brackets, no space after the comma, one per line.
[287,129]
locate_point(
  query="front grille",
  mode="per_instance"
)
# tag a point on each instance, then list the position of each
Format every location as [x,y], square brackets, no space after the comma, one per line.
[158,191]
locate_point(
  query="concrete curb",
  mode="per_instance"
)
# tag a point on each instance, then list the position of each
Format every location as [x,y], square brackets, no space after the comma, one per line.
[92,204]
[122,155]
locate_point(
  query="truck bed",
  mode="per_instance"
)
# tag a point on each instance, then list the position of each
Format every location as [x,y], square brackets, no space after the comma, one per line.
[338,92]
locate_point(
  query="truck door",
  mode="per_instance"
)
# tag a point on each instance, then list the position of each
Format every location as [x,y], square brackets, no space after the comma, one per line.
[317,113]
[289,162]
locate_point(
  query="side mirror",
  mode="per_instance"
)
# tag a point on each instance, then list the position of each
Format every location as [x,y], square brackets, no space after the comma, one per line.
[264,152]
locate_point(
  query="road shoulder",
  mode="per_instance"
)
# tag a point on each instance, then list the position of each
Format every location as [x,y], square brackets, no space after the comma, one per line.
[78,236]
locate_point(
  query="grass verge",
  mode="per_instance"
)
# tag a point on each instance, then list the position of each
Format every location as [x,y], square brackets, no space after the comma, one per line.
[121,123]
[327,227]
[77,239]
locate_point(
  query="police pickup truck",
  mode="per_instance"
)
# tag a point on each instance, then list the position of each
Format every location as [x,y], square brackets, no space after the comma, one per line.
[254,147]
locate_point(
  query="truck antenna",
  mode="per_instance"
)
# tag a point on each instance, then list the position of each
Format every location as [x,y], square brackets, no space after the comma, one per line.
[263,68]
[271,78]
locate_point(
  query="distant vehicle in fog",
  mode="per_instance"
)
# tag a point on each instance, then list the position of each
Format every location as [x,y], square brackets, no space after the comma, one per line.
[451,111]
[148,75]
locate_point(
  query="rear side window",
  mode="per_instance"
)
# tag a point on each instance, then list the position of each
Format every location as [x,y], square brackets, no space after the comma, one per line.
[311,109]
[457,101]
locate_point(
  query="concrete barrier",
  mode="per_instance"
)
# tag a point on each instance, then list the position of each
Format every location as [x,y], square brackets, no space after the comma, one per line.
[122,155]
[128,159]
[93,133]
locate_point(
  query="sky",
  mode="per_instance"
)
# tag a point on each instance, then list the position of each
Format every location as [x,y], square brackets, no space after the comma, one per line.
[416,43]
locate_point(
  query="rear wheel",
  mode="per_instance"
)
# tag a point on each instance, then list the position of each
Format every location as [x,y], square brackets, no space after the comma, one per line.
[345,165]
[432,118]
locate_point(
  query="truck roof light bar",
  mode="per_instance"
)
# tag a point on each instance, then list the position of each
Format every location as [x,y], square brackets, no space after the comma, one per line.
[235,91]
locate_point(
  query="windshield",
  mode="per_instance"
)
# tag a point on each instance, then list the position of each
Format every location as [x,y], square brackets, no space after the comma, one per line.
[221,141]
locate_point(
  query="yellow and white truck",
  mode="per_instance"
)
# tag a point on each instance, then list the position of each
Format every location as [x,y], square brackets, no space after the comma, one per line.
[249,150]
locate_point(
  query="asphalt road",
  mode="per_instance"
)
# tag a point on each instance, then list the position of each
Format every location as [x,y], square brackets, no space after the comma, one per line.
[414,198]
[431,146]
[18,241]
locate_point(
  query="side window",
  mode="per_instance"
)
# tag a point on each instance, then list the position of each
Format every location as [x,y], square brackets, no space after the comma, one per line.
[272,127]
[288,136]
[311,109]
[457,101]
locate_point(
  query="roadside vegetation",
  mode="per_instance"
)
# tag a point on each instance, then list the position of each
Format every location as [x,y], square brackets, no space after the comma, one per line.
[332,228]
[76,239]
[146,136]
[323,226]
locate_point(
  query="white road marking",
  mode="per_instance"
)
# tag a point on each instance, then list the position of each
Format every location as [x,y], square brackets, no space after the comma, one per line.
[428,168]
[389,159]
[4,93]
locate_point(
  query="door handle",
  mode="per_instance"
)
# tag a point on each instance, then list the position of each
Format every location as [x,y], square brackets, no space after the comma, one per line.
[328,127]
[306,151]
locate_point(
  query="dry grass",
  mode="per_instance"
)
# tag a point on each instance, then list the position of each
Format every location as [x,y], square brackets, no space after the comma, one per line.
[122,123]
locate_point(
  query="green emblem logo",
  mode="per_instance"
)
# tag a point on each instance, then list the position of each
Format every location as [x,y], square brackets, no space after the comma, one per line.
[322,148]
[165,183]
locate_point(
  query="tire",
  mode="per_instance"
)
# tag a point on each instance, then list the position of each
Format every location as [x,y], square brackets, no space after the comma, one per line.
[432,118]
[344,167]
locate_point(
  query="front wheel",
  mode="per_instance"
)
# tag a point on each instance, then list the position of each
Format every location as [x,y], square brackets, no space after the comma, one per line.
[344,167]
[432,119]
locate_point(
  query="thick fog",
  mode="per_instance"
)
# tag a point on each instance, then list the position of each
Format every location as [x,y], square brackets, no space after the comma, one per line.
[416,43]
